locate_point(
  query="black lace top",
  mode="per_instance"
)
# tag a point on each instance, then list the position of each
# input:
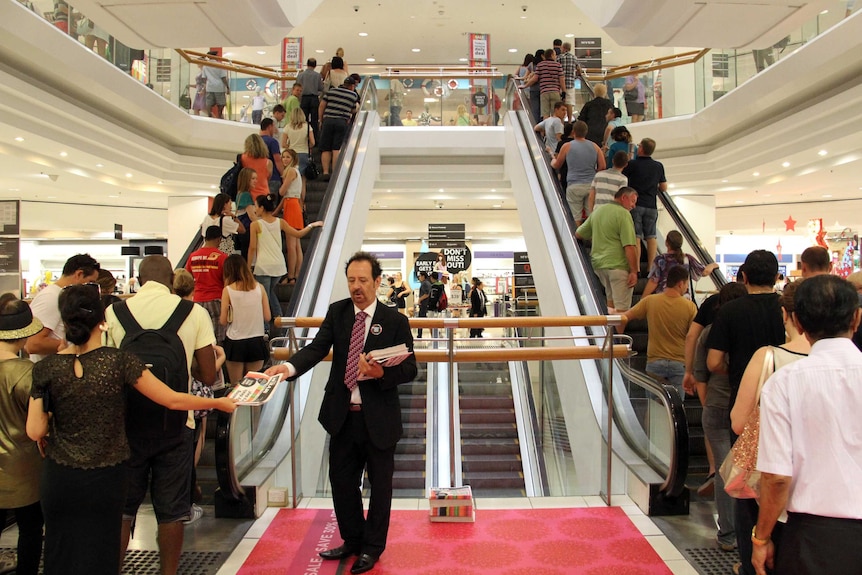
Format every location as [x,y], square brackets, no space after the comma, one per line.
[88,426]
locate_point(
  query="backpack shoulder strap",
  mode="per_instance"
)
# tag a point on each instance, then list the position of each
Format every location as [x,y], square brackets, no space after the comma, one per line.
[126,319]
[239,159]
[177,318]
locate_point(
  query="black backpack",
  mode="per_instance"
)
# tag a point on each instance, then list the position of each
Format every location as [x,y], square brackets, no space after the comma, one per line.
[163,352]
[229,180]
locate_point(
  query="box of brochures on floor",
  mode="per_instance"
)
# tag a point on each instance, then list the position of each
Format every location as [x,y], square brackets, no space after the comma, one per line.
[452,505]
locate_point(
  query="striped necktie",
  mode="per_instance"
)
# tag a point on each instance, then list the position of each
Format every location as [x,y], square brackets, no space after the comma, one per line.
[357,342]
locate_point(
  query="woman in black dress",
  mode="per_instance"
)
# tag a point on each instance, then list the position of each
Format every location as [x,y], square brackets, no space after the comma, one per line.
[79,395]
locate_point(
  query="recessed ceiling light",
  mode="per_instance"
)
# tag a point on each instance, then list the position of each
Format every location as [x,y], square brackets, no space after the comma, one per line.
[384,206]
[785,164]
[13,189]
[370,60]
[417,50]
[513,50]
[570,35]
[441,190]
[261,52]
[51,197]
[827,195]
[462,59]
[63,154]
[671,185]
[822,153]
[523,17]
[497,206]
[738,202]
[19,139]
[755,174]
[723,181]
[161,182]
[493,190]
[363,34]
[320,51]
[213,186]
[128,175]
[824,12]
[113,196]
[100,165]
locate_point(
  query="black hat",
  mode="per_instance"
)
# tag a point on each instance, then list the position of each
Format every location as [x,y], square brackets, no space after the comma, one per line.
[19,325]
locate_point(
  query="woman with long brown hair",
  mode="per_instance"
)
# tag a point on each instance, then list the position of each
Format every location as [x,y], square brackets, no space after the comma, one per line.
[245,309]
[674,256]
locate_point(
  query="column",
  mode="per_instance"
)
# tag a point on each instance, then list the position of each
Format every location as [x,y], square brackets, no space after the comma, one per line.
[185,214]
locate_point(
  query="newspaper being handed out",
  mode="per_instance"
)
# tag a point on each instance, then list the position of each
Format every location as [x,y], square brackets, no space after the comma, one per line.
[255,388]
[387,356]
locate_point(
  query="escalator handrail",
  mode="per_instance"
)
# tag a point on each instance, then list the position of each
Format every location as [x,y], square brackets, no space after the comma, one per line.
[309,281]
[675,479]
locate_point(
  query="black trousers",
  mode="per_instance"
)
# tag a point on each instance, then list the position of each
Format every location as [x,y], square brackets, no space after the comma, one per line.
[29,519]
[350,452]
[815,545]
[309,105]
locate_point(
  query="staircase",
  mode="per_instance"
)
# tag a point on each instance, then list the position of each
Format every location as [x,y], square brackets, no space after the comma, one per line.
[409,478]
[490,450]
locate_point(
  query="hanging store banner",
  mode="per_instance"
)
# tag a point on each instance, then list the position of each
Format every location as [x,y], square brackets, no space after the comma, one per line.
[480,90]
[480,49]
[291,58]
[588,51]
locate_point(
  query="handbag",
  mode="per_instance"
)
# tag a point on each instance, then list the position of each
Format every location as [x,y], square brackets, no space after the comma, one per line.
[741,478]
[201,390]
[225,244]
[311,170]
[631,95]
[185,100]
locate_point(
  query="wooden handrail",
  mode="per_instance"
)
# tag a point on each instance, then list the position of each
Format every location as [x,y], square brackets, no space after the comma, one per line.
[498,355]
[602,74]
[237,66]
[477,322]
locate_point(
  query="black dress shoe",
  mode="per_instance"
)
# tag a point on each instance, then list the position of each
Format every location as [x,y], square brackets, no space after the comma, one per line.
[364,563]
[339,552]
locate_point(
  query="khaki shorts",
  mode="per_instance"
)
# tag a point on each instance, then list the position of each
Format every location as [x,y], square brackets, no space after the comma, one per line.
[577,196]
[616,287]
[547,101]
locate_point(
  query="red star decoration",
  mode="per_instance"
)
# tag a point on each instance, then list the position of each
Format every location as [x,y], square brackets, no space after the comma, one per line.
[790,224]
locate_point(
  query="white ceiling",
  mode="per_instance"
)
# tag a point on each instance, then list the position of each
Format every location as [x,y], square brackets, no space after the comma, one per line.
[172,154]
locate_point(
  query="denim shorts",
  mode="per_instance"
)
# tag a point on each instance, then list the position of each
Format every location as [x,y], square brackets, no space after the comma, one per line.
[170,462]
[645,220]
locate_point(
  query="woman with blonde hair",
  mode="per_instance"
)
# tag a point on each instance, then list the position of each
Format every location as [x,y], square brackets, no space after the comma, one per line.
[296,135]
[462,119]
[292,193]
[256,157]
[245,308]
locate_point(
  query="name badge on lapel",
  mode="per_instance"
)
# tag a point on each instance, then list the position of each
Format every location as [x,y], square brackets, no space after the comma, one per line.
[376,329]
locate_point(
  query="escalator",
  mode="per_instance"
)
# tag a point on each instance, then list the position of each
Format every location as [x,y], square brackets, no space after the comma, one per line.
[507,433]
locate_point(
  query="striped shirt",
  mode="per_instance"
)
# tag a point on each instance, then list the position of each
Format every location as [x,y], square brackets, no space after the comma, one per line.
[569,64]
[549,72]
[340,103]
[607,183]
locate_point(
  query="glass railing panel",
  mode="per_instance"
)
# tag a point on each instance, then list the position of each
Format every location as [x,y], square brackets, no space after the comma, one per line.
[455,98]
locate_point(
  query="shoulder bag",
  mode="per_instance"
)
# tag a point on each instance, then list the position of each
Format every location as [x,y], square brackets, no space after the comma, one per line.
[225,244]
[311,171]
[741,478]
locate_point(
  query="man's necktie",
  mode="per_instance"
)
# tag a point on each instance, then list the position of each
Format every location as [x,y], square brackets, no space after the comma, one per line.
[357,342]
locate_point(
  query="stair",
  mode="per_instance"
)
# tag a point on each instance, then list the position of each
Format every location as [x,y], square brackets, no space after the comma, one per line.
[410,454]
[490,450]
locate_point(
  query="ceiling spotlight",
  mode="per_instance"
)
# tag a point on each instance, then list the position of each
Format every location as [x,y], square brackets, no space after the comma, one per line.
[63,154]
[370,60]
[128,175]
[213,186]
[261,52]
[570,35]
[19,139]
[320,51]
[363,34]
[785,164]
[755,174]
[822,153]
[462,59]
[513,50]
[827,195]
[417,50]
[723,181]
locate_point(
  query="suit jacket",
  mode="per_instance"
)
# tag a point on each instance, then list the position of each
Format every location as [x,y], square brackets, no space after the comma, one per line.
[477,303]
[380,403]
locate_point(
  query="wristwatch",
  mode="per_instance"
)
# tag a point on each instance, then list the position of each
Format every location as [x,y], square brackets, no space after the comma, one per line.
[757,541]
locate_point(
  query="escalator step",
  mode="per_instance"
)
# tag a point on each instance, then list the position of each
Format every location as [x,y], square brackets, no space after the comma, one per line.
[485,388]
[486,401]
[489,446]
[479,416]
[491,463]
[411,445]
[488,430]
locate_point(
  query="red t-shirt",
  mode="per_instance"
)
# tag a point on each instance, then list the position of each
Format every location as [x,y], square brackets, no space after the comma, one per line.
[207,267]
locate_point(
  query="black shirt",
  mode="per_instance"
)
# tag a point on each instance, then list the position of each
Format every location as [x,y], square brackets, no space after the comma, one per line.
[741,327]
[645,175]
[706,313]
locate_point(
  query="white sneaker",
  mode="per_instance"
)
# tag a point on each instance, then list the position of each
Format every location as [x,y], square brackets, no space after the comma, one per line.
[195,514]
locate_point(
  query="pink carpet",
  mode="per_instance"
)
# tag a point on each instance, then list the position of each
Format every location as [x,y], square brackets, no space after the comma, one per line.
[588,541]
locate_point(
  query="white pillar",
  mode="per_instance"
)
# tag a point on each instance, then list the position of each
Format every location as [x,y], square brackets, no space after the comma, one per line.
[185,214]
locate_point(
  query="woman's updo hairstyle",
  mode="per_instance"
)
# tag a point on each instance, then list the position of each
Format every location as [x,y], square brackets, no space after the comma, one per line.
[267,202]
[81,310]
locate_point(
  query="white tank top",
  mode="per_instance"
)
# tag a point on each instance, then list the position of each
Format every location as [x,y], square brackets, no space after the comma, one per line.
[270,257]
[247,309]
[295,188]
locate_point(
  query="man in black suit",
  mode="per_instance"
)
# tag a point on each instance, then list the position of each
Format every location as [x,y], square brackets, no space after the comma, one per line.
[477,305]
[360,408]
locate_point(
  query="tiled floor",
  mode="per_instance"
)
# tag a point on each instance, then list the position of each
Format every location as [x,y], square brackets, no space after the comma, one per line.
[663,546]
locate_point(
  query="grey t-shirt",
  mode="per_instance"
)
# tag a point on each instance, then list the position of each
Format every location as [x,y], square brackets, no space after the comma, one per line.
[214,78]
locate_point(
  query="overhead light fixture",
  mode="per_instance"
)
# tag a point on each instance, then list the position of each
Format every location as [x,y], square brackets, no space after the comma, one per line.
[785,164]
[63,154]
[827,195]
[161,182]
[738,202]
[824,12]
[100,166]
[416,50]
[128,175]
[261,52]
[671,186]
[497,206]
[213,187]
[441,190]
[755,174]
[493,191]
[13,189]
[462,59]
[320,51]
[608,52]
[822,153]
[570,35]
[723,181]
[370,60]
[19,139]
[523,17]
[363,34]
[113,196]
[513,50]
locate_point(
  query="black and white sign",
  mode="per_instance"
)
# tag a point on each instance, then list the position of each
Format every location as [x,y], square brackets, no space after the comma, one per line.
[588,51]
[457,259]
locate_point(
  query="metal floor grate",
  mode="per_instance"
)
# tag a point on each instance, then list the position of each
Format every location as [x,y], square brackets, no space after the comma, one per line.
[711,561]
[147,562]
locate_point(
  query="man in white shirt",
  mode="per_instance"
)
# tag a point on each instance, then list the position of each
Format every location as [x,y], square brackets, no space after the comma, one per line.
[810,453]
[551,128]
[79,269]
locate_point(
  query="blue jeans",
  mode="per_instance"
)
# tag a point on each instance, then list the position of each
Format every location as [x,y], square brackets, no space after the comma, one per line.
[673,371]
[269,283]
[716,422]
